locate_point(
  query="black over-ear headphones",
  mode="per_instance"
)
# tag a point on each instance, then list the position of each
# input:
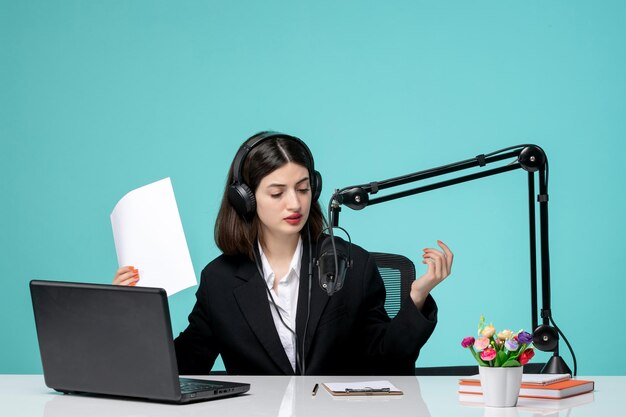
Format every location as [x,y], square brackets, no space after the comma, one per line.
[239,193]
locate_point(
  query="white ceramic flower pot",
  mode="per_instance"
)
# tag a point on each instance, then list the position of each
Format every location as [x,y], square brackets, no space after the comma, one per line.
[500,385]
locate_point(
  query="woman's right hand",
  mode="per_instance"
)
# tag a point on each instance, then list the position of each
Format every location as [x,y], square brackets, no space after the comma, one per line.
[126,275]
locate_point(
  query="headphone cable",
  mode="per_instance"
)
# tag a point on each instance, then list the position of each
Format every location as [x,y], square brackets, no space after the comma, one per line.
[280,317]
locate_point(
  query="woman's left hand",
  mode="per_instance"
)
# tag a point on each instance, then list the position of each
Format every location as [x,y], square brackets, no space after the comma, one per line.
[439,268]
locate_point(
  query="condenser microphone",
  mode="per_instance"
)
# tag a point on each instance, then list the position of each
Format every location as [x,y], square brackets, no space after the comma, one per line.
[333,263]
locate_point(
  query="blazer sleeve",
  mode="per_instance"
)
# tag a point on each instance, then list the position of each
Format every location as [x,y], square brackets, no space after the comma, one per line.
[195,346]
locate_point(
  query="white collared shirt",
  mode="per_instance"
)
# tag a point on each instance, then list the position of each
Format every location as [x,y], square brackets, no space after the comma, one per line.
[286,298]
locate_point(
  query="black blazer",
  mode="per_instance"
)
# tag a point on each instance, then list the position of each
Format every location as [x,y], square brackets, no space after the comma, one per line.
[347,334]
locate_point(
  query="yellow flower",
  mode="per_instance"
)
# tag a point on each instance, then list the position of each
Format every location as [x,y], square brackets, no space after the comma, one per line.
[505,334]
[488,331]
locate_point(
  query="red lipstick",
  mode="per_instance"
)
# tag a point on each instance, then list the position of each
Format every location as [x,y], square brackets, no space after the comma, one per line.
[294,219]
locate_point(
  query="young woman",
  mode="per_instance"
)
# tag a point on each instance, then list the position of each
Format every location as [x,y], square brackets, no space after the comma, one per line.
[259,305]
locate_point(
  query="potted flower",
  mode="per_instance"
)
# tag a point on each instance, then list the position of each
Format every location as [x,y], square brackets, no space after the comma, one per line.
[500,356]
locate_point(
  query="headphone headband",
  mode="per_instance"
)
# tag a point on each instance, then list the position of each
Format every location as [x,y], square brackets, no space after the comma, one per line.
[249,144]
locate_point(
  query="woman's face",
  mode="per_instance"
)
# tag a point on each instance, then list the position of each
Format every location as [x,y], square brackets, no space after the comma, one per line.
[283,201]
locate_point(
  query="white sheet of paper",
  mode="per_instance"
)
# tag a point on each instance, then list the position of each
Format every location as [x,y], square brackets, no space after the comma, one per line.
[342,386]
[149,235]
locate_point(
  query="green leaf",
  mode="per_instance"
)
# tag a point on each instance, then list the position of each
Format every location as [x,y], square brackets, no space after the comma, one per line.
[511,363]
[501,358]
[519,351]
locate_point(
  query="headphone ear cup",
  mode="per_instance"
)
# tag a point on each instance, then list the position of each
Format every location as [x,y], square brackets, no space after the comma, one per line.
[242,199]
[316,186]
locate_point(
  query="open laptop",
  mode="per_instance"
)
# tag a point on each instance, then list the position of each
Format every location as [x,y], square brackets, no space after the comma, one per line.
[113,340]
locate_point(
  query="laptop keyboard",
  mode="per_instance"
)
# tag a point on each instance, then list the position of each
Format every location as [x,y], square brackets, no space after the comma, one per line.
[194,385]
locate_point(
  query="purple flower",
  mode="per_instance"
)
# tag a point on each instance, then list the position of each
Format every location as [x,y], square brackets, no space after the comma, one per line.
[511,344]
[467,342]
[524,337]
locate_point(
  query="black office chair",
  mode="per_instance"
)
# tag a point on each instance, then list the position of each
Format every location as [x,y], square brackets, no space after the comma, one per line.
[398,273]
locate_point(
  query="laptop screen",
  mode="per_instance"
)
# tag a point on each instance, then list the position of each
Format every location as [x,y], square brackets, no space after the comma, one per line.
[105,339]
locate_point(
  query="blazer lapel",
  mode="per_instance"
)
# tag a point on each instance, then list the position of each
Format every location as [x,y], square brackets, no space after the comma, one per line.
[319,299]
[253,302]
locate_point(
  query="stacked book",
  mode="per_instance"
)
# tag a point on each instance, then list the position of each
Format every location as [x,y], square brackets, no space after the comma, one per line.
[534,386]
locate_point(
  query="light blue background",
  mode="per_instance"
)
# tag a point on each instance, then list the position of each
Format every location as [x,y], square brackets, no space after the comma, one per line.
[100,97]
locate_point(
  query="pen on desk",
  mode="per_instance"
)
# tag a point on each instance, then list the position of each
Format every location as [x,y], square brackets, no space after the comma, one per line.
[315,390]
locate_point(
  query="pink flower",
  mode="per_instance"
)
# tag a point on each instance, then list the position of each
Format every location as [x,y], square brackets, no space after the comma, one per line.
[526,356]
[467,342]
[481,343]
[488,354]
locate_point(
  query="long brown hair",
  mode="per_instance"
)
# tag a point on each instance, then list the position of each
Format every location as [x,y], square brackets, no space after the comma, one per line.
[235,235]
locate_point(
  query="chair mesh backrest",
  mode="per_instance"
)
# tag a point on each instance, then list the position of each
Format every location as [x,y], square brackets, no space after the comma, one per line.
[398,273]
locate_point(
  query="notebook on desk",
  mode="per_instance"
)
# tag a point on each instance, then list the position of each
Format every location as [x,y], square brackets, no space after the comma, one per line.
[113,340]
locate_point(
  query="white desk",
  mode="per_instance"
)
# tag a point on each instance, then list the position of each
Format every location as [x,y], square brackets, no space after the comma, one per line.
[26,395]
